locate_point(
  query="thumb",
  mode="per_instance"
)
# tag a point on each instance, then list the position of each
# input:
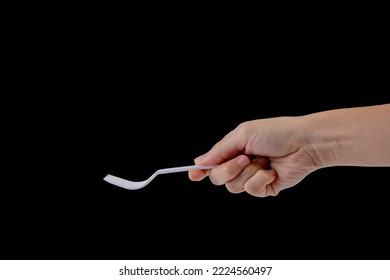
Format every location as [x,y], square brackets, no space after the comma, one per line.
[230,146]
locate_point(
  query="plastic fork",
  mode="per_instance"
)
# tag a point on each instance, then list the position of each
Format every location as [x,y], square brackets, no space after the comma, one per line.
[131,185]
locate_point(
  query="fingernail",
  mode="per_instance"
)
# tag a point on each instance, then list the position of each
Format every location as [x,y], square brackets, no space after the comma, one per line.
[242,161]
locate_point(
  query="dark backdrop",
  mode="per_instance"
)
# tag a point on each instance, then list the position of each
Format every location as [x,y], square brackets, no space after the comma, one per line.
[128,105]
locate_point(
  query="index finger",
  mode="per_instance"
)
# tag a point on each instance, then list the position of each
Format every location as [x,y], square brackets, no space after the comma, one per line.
[229,147]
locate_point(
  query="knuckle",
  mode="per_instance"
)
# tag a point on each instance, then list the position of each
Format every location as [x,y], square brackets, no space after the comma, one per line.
[256,185]
[234,187]
[229,170]
[243,128]
[215,179]
[223,174]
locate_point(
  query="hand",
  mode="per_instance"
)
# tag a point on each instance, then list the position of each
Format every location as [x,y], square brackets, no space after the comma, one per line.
[261,157]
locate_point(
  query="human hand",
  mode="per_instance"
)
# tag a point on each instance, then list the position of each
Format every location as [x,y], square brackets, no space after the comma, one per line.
[261,157]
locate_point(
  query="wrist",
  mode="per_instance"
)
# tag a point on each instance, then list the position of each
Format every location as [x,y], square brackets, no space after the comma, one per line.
[321,142]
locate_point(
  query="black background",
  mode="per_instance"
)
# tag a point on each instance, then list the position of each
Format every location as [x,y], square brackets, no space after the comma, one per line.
[129,101]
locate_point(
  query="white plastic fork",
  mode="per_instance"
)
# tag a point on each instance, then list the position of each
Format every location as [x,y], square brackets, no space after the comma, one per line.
[131,185]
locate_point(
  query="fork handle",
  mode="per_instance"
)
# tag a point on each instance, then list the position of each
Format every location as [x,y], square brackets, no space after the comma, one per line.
[185,168]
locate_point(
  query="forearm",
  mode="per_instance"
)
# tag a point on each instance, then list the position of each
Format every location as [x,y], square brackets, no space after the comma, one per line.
[349,137]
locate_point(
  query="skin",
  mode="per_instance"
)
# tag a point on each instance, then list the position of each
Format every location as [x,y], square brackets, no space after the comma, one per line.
[266,156]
